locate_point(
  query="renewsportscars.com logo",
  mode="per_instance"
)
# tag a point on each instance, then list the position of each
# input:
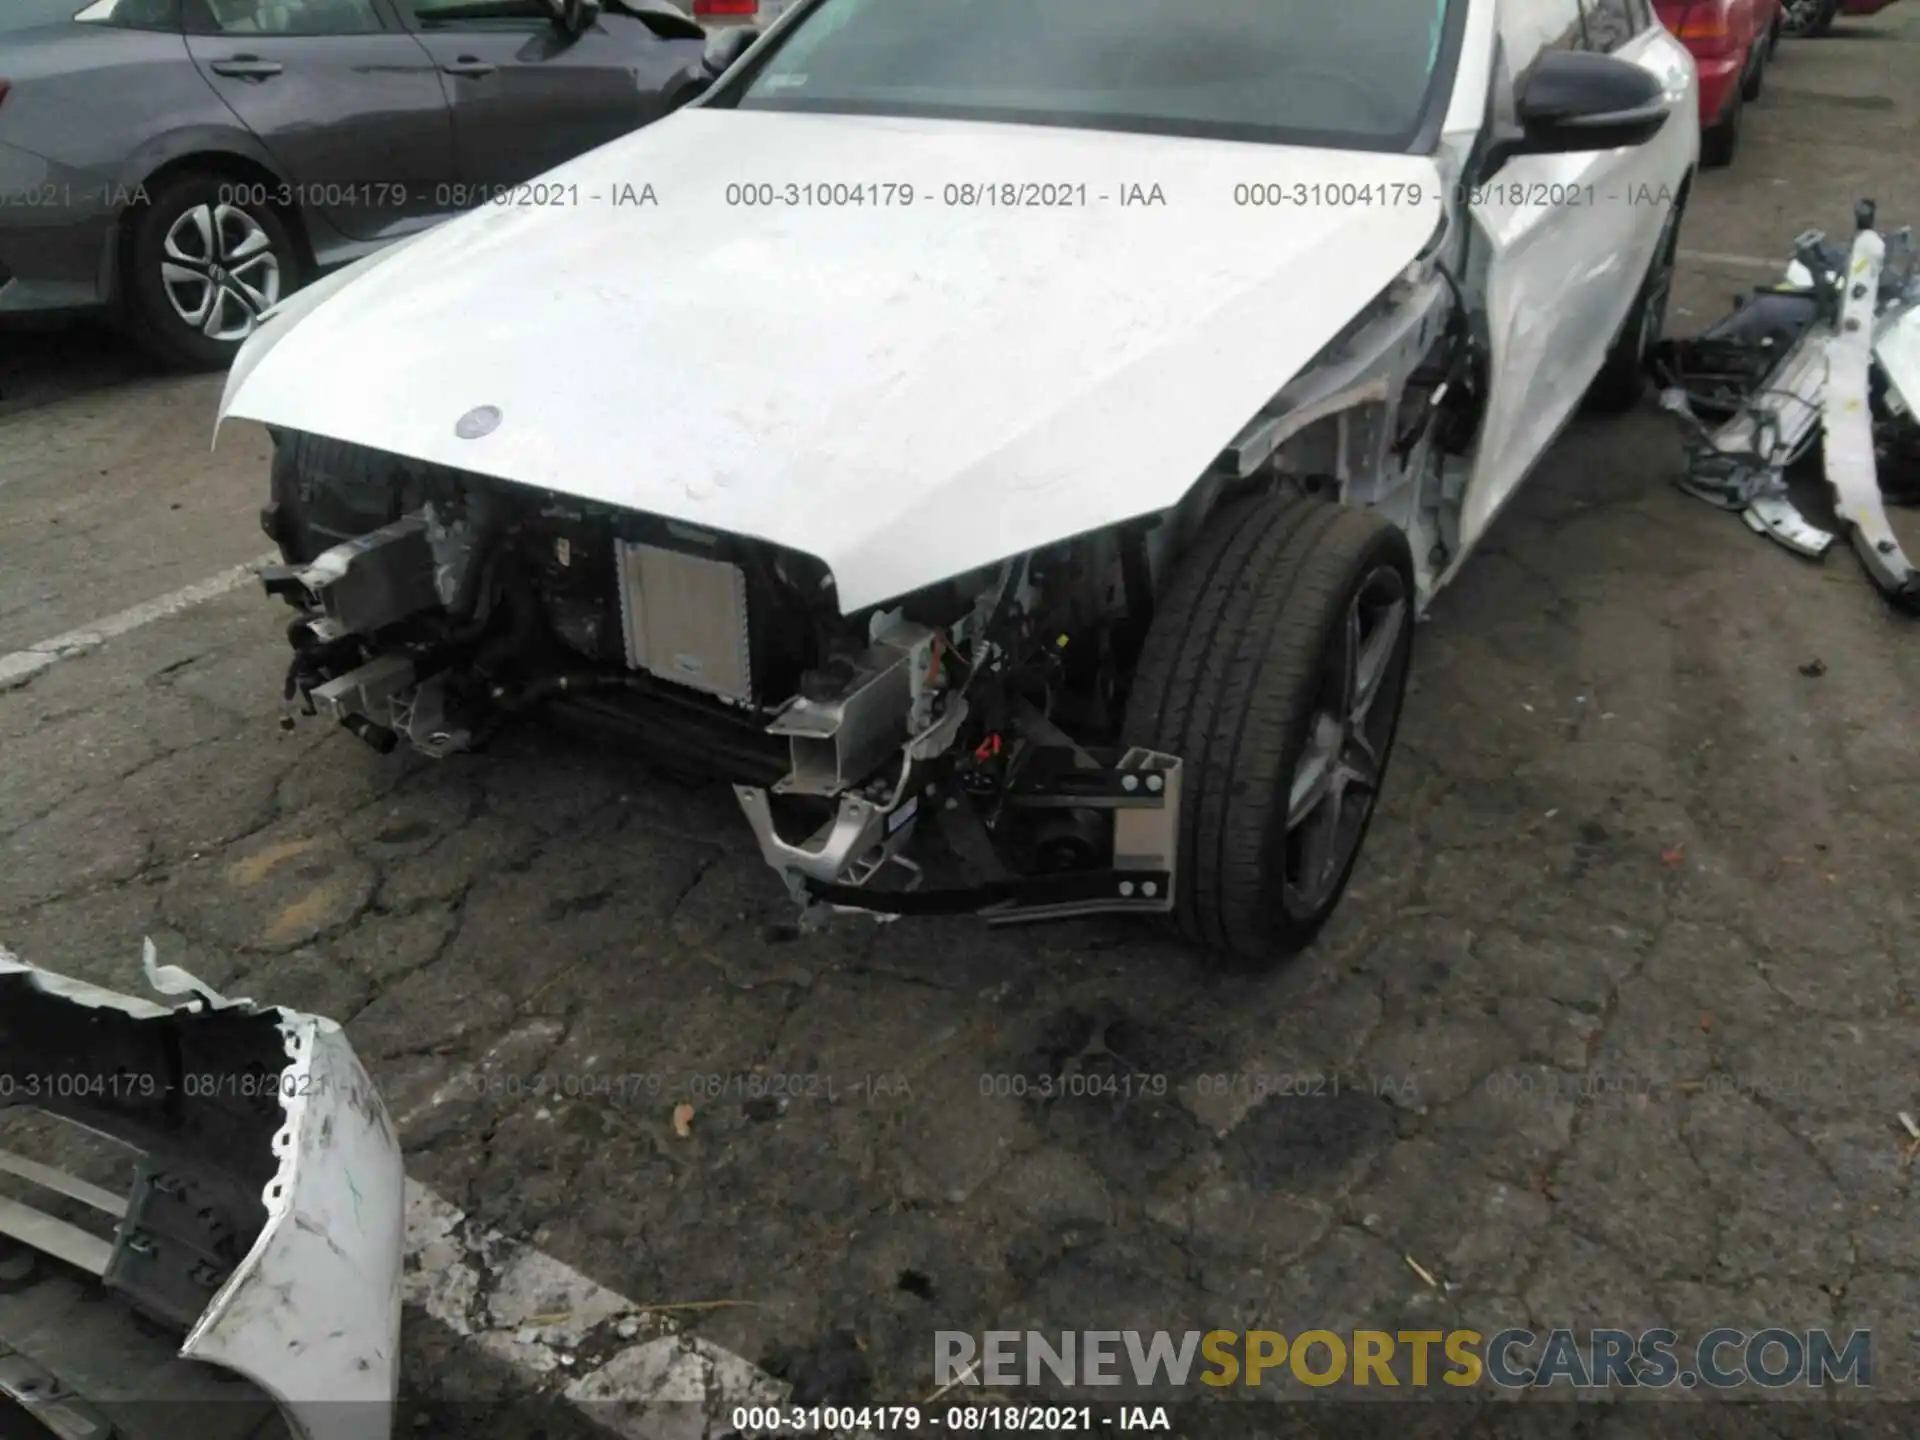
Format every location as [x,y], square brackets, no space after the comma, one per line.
[1721,1359]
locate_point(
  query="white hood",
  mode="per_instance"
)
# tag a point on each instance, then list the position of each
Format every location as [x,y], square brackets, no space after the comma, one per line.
[904,391]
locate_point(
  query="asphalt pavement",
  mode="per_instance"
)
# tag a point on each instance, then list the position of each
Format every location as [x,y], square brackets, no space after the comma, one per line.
[1612,1029]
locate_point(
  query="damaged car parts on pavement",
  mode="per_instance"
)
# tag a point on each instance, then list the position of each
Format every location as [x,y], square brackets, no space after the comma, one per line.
[263,1226]
[1829,359]
[1099,562]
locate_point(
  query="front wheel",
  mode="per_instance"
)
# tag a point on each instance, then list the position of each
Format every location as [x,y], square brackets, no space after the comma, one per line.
[201,267]
[1275,669]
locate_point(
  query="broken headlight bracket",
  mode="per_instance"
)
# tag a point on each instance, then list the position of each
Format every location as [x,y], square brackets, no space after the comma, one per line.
[1802,362]
[835,868]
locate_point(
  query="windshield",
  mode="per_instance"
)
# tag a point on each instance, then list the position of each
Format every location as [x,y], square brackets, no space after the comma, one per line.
[1353,73]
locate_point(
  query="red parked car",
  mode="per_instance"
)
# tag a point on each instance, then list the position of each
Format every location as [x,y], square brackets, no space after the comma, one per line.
[1731,42]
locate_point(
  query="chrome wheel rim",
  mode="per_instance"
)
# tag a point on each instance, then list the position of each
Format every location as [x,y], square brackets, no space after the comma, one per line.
[1337,778]
[219,271]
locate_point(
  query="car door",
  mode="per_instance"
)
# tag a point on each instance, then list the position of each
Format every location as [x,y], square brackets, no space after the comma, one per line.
[345,101]
[527,97]
[1568,241]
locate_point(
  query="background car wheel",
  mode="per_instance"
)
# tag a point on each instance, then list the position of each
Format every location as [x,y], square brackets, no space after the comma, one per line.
[201,268]
[1275,668]
[1718,145]
[1810,18]
[1623,375]
[1775,31]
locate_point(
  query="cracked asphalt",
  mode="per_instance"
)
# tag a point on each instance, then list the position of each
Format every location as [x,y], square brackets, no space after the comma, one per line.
[1612,1029]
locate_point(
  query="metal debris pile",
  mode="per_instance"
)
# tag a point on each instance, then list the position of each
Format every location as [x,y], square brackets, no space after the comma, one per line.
[1832,354]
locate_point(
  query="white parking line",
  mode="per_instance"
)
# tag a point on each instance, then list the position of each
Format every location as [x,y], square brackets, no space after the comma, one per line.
[538,1310]
[23,665]
[1736,262]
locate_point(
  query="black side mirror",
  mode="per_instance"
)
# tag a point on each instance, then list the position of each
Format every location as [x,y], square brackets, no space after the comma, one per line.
[573,18]
[1574,100]
[727,46]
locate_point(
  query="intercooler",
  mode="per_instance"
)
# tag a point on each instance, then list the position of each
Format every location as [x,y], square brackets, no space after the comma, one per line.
[684,618]
[651,601]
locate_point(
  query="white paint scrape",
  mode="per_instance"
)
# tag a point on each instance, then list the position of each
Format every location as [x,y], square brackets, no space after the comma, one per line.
[525,1308]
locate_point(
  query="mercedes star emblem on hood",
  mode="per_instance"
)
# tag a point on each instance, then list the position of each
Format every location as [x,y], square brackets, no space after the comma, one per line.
[477,422]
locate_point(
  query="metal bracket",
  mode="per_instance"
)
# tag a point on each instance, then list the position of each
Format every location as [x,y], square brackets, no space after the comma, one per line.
[1017,901]
[1051,778]
[1848,418]
[176,1246]
[375,579]
[1143,791]
[1742,465]
[861,834]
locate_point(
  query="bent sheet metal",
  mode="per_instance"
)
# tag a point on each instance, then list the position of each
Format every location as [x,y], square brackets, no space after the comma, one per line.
[1832,355]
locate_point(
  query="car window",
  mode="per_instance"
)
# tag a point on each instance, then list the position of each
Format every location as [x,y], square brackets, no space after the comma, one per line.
[1359,73]
[283,17]
[479,14]
[1528,27]
[133,14]
[1612,23]
[32,14]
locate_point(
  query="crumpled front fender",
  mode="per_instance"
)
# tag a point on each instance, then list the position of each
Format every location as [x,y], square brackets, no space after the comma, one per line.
[311,1311]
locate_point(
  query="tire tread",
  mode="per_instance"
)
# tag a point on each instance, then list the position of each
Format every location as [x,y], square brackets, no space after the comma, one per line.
[1225,682]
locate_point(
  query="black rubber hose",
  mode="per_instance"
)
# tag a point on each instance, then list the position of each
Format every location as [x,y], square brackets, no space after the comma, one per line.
[466,598]
[523,619]
[513,700]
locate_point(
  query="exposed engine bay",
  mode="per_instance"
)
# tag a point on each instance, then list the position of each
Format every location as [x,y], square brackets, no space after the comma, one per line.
[841,733]
[434,605]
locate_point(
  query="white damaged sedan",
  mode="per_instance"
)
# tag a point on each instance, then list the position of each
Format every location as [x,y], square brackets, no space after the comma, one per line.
[1010,439]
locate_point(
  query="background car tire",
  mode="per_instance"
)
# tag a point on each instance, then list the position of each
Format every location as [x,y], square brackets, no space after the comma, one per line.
[163,239]
[1623,374]
[1819,22]
[1232,679]
[1719,144]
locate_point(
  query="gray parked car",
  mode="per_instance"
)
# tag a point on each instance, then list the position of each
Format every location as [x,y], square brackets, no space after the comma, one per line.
[185,163]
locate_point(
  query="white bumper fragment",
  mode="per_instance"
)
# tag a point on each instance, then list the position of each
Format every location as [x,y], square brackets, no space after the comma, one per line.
[311,1311]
